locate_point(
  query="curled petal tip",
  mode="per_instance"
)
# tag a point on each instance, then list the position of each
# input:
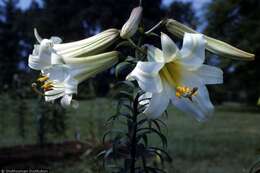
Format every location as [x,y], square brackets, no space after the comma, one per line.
[130,77]
[162,33]
[37,36]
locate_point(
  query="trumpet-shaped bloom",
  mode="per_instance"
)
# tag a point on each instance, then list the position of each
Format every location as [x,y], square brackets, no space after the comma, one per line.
[51,51]
[61,81]
[177,77]
[213,45]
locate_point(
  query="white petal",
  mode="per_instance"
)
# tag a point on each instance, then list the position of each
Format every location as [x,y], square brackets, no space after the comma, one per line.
[147,76]
[203,75]
[35,63]
[157,105]
[188,107]
[56,59]
[190,78]
[193,50]
[170,49]
[210,74]
[36,49]
[200,107]
[203,100]
[40,58]
[56,40]
[70,85]
[37,36]
[154,54]
[46,45]
[57,72]
[54,94]
[67,101]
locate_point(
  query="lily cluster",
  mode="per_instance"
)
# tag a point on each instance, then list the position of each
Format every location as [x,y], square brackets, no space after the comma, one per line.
[64,65]
[169,75]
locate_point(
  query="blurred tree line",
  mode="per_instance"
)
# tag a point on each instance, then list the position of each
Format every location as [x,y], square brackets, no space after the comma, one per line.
[237,22]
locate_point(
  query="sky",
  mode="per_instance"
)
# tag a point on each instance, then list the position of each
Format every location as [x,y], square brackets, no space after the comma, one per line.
[24,3]
[197,4]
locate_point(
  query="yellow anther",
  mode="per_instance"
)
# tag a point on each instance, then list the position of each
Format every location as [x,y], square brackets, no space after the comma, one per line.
[43,79]
[187,90]
[48,88]
[183,91]
[178,94]
[47,85]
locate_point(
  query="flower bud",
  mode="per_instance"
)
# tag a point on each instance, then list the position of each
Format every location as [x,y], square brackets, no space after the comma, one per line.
[51,51]
[131,25]
[89,46]
[213,45]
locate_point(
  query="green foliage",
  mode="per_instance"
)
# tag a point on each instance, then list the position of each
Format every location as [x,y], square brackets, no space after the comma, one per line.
[226,144]
[10,50]
[50,120]
[183,12]
[130,143]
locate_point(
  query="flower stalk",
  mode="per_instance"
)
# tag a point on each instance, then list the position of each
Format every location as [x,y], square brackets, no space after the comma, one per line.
[132,143]
[158,25]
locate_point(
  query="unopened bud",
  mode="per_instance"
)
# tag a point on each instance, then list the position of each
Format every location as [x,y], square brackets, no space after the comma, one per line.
[131,25]
[213,45]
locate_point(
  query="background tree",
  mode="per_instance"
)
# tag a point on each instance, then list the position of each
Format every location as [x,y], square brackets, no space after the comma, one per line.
[183,12]
[237,22]
[10,38]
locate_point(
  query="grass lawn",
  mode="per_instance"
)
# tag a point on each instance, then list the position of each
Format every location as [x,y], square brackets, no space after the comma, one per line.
[227,143]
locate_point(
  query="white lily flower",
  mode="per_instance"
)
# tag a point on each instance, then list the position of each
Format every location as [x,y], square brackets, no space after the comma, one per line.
[51,51]
[177,77]
[213,45]
[61,81]
[132,24]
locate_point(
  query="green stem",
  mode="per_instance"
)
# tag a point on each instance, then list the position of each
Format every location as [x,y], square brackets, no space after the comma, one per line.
[133,142]
[144,164]
[155,27]
[133,134]
[136,47]
[140,2]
